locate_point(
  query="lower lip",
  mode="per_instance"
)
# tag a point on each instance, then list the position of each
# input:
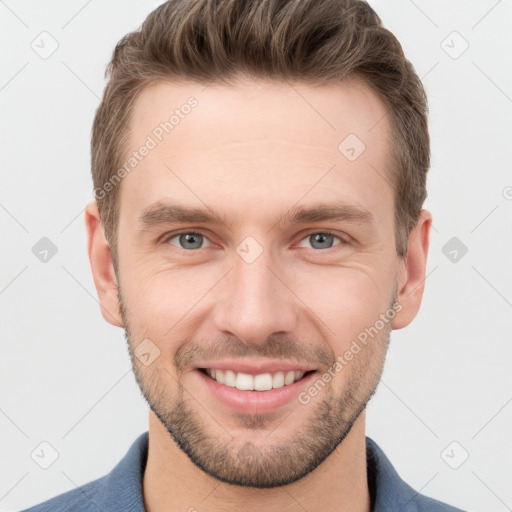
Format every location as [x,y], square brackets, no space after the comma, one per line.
[255,401]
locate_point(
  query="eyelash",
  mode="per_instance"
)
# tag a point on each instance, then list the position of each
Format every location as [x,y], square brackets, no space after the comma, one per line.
[327,232]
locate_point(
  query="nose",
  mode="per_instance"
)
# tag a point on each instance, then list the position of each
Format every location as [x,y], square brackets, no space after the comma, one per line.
[256,301]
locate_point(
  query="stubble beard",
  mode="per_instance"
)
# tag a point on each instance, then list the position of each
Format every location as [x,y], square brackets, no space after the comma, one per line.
[236,459]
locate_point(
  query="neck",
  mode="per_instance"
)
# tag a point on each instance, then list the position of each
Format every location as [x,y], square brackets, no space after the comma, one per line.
[173,482]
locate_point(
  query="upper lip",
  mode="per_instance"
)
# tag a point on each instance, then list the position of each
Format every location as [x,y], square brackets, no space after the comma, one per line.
[254,368]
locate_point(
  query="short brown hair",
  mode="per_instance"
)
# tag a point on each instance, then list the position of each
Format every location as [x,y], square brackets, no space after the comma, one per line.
[311,41]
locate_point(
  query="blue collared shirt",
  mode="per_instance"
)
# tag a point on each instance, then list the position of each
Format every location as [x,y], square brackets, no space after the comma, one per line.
[121,489]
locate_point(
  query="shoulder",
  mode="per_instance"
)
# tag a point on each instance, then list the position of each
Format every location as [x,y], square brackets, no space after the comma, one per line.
[390,492]
[80,499]
[118,491]
[422,503]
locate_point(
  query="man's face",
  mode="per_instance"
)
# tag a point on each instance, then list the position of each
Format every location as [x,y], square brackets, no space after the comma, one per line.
[261,285]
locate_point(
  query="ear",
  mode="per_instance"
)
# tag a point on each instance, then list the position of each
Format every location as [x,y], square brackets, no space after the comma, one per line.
[411,275]
[102,267]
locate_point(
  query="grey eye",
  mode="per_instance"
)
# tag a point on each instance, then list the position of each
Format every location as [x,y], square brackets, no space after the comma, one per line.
[189,241]
[322,240]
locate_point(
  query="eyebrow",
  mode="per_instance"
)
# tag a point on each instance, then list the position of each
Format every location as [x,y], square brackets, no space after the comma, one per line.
[162,213]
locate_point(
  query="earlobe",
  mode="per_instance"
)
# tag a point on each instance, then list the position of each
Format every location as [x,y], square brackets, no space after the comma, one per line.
[412,273]
[102,267]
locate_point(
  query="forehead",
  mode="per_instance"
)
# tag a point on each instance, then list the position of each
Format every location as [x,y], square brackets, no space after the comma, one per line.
[257,143]
[260,109]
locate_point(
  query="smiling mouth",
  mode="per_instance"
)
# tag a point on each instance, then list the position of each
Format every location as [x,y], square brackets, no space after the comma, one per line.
[260,382]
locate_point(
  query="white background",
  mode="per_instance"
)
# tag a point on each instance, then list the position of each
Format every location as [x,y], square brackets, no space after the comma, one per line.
[65,373]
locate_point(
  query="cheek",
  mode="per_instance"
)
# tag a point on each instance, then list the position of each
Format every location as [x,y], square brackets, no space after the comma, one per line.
[160,302]
[344,302]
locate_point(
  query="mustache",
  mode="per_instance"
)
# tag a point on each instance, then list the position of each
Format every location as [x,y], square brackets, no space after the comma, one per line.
[275,347]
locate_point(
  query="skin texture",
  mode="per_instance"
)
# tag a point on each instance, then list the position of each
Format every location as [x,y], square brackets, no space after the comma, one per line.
[251,152]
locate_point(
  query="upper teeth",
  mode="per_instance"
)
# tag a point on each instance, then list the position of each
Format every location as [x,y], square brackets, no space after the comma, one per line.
[262,382]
